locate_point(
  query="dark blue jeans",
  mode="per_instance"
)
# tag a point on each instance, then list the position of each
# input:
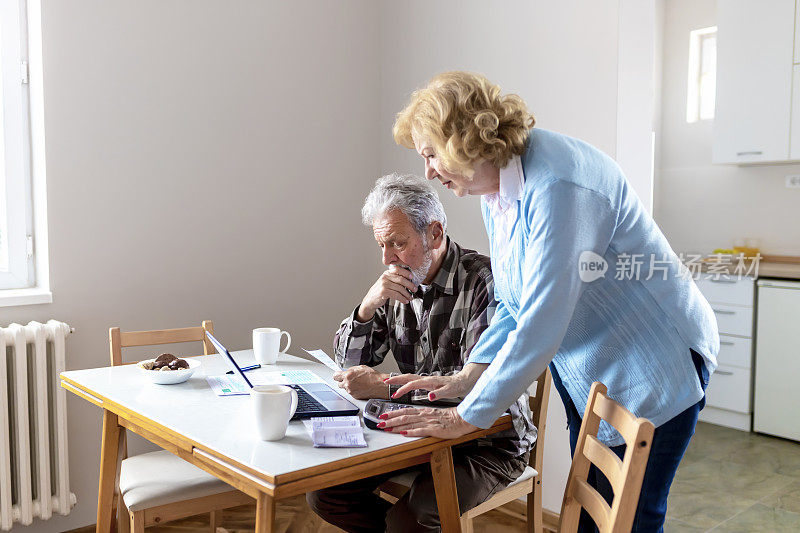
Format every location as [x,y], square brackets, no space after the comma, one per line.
[669,444]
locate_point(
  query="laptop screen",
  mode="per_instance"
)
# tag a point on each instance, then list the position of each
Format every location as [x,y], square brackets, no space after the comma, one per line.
[221,349]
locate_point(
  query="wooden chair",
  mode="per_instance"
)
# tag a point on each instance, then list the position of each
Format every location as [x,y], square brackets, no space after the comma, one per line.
[624,475]
[156,487]
[529,483]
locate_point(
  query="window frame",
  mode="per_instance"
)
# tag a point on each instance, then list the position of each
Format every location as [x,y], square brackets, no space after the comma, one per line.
[694,104]
[22,183]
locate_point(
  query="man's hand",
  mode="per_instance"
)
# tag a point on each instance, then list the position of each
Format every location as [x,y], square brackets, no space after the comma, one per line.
[394,284]
[426,422]
[440,387]
[363,382]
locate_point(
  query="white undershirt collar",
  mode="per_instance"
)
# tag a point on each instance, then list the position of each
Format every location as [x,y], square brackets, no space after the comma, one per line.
[512,181]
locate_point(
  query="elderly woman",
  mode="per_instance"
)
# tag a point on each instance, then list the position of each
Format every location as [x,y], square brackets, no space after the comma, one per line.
[553,205]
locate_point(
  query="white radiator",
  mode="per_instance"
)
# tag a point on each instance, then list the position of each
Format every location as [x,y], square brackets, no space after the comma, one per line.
[34,469]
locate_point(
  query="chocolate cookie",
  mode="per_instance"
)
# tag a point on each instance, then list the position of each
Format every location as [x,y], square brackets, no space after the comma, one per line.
[165,358]
[178,364]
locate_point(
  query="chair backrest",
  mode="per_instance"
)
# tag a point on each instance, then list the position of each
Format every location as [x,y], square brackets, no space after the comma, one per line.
[538,403]
[124,339]
[624,475]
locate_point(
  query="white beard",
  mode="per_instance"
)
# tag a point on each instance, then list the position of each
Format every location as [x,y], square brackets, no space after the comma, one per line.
[419,274]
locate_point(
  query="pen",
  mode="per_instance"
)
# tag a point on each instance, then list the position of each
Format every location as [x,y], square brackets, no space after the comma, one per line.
[245,368]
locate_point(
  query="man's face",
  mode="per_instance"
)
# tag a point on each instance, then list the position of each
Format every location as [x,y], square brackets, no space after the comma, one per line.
[401,245]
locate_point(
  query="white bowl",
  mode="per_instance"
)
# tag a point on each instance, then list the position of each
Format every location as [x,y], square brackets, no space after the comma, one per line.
[170,377]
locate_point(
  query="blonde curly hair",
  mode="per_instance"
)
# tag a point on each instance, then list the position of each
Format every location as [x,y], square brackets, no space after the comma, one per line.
[466,119]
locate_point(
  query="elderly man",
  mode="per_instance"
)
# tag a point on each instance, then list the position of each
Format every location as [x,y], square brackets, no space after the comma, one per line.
[429,309]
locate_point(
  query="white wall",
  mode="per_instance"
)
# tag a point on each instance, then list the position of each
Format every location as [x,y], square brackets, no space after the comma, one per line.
[701,206]
[563,59]
[560,57]
[209,161]
[636,95]
[205,160]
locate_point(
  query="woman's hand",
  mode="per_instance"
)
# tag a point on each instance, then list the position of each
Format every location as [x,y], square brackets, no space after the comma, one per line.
[454,386]
[426,422]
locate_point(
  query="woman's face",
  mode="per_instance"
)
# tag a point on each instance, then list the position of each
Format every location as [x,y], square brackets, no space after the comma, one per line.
[481,181]
[434,169]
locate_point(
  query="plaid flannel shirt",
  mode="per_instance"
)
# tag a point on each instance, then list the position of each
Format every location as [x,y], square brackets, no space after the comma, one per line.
[436,332]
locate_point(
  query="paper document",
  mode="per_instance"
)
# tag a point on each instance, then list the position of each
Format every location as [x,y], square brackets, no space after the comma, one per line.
[324,358]
[284,377]
[227,385]
[336,432]
[233,384]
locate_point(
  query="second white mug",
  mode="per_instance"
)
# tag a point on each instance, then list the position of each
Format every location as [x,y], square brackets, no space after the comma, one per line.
[273,407]
[266,344]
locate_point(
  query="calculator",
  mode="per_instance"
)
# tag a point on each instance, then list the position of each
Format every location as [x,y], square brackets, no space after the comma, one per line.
[375,408]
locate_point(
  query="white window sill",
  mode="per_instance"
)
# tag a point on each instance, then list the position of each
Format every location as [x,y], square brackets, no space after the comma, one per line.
[35,295]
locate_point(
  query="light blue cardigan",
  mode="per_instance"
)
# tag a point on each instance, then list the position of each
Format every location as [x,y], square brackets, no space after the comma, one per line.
[633,335]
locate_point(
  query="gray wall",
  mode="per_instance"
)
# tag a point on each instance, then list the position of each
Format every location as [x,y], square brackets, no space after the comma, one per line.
[205,160]
[701,206]
[560,57]
[208,159]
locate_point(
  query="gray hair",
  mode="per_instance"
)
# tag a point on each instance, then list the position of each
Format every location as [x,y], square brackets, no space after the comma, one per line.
[412,195]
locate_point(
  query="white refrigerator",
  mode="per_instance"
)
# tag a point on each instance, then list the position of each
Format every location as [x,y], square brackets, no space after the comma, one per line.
[777,377]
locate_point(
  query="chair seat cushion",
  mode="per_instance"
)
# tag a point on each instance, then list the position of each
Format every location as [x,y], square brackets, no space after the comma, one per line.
[526,474]
[406,479]
[158,478]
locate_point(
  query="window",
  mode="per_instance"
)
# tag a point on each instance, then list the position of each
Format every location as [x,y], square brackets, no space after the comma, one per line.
[702,74]
[23,275]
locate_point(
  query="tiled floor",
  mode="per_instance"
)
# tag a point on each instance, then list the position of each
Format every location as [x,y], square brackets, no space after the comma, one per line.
[294,516]
[732,481]
[728,481]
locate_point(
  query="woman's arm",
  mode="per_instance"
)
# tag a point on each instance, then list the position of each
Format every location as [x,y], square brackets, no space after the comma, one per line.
[485,311]
[565,221]
[440,387]
[459,385]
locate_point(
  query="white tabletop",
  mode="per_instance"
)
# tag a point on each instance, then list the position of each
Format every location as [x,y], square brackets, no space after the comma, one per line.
[224,424]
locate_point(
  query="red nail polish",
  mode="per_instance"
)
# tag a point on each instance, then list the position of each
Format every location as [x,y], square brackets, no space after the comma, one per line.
[381,424]
[387,379]
[384,416]
[432,396]
[402,432]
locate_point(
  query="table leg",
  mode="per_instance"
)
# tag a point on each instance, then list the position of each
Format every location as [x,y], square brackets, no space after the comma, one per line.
[123,519]
[108,471]
[444,482]
[265,513]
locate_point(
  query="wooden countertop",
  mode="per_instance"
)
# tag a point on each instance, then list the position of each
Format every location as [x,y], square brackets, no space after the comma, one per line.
[769,269]
[770,266]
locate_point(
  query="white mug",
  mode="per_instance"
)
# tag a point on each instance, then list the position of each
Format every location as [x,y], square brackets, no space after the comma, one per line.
[266,344]
[273,406]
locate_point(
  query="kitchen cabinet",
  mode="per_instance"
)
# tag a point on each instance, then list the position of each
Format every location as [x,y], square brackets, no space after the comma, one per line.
[797,33]
[777,395]
[755,56]
[728,397]
[794,148]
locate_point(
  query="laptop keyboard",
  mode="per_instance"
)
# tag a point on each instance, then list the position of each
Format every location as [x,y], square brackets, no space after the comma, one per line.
[306,403]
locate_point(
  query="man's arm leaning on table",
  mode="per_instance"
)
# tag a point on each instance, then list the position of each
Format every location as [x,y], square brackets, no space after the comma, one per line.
[362,343]
[358,346]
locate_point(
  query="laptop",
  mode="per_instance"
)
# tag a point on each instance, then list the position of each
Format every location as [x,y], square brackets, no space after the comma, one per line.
[313,399]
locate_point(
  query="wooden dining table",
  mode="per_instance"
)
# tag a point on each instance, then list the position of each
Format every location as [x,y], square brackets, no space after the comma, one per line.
[218,435]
